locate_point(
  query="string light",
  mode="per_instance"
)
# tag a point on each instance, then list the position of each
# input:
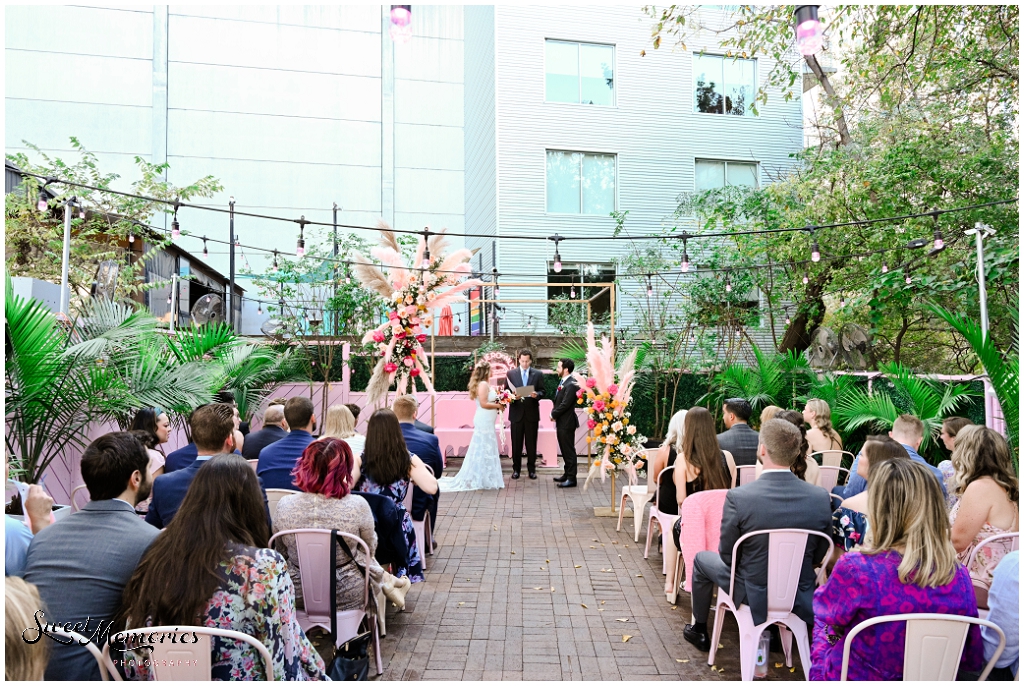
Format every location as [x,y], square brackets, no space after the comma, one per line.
[175,227]
[885,267]
[806,280]
[815,253]
[259,308]
[273,267]
[426,247]
[788,320]
[558,258]
[728,283]
[206,251]
[494,280]
[300,247]
[685,266]
[650,288]
[842,301]
[906,273]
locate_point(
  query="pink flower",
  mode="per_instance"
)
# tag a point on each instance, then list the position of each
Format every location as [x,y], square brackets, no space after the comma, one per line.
[410,311]
[390,367]
[414,372]
[591,423]
[415,320]
[613,389]
[378,336]
[591,382]
[400,334]
[392,315]
[422,338]
[407,361]
[599,405]
[579,393]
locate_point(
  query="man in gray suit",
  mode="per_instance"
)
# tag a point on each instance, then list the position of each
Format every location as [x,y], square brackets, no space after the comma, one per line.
[82,563]
[777,500]
[738,438]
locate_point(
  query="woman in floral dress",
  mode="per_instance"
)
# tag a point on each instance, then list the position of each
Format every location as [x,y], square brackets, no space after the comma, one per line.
[389,470]
[211,567]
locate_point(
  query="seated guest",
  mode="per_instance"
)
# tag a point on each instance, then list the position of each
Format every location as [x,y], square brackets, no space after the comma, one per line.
[908,431]
[324,475]
[38,508]
[212,567]
[738,438]
[986,484]
[907,565]
[389,469]
[23,661]
[156,461]
[666,456]
[425,446]
[241,428]
[182,457]
[700,466]
[804,467]
[769,412]
[340,423]
[277,460]
[155,422]
[850,520]
[821,436]
[778,500]
[951,426]
[213,432]
[354,409]
[273,431]
[81,564]
[1004,612]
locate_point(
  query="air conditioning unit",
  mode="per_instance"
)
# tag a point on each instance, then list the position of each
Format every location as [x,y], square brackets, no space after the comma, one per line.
[48,293]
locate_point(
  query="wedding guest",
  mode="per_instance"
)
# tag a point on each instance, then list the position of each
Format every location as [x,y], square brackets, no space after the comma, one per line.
[274,429]
[154,421]
[804,467]
[907,565]
[666,457]
[81,563]
[212,567]
[738,438]
[850,520]
[1004,612]
[701,465]
[986,484]
[324,475]
[277,460]
[38,508]
[821,436]
[184,456]
[355,410]
[23,661]
[425,446]
[951,426]
[389,469]
[769,412]
[908,431]
[339,422]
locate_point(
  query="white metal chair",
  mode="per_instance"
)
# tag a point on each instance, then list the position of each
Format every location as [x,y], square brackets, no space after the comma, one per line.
[107,669]
[314,549]
[253,463]
[828,477]
[274,496]
[786,548]
[832,458]
[933,647]
[74,497]
[640,494]
[178,660]
[665,523]
[745,473]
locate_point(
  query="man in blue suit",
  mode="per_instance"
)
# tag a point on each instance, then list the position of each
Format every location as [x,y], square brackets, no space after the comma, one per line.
[183,457]
[213,428]
[278,459]
[425,446]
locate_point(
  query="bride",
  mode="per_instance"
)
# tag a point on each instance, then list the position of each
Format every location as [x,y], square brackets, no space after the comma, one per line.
[481,469]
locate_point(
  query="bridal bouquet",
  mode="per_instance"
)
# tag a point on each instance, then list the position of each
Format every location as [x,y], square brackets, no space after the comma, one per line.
[505,397]
[606,397]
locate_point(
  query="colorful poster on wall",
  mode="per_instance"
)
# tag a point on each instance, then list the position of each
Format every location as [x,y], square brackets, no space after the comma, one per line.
[474,312]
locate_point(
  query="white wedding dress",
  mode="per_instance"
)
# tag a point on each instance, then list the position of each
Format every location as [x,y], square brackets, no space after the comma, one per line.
[481,469]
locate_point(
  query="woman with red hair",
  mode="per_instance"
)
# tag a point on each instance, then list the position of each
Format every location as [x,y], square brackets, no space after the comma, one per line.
[325,474]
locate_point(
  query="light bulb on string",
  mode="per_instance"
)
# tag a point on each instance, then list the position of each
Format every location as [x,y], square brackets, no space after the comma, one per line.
[175,228]
[300,246]
[273,267]
[650,288]
[42,204]
[259,308]
[788,320]
[728,283]
[206,251]
[685,266]
[806,280]
[815,253]
[81,211]
[842,301]
[939,244]
[558,258]
[401,23]
[885,267]
[168,298]
[810,32]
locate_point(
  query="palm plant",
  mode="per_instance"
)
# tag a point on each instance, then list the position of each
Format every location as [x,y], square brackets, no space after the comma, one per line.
[253,372]
[1002,368]
[830,387]
[775,379]
[929,401]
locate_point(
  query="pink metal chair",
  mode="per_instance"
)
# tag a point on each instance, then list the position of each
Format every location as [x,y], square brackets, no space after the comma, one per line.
[1012,538]
[828,477]
[547,439]
[832,458]
[75,499]
[253,463]
[180,661]
[745,473]
[107,669]
[640,494]
[665,523]
[314,548]
[933,646]
[422,527]
[785,561]
[454,423]
[274,496]
[701,529]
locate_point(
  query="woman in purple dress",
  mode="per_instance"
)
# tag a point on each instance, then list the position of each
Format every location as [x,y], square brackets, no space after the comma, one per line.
[907,565]
[390,470]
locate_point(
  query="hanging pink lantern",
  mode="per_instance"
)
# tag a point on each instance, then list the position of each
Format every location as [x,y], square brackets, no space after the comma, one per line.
[401,23]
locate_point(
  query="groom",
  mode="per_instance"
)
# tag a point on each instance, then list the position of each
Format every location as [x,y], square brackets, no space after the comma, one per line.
[524,413]
[566,421]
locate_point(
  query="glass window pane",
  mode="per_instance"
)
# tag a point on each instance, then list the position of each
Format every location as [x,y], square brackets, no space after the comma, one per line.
[740,86]
[707,79]
[562,81]
[709,175]
[597,67]
[598,184]
[563,181]
[741,174]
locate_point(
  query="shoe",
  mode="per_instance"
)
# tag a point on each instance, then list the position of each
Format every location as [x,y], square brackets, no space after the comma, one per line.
[533,475]
[560,478]
[515,475]
[701,641]
[395,591]
[568,483]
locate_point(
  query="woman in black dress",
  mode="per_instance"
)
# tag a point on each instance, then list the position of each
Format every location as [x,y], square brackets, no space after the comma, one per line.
[702,466]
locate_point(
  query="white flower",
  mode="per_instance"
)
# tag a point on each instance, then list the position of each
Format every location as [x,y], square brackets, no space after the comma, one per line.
[617,427]
[630,430]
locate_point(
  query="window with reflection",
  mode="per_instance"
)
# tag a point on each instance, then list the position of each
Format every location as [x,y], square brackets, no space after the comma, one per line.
[580,182]
[582,73]
[710,174]
[723,85]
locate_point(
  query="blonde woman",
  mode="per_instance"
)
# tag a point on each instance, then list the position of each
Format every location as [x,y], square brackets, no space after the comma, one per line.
[907,565]
[23,661]
[987,487]
[769,413]
[341,423]
[821,436]
[665,457]
[481,469]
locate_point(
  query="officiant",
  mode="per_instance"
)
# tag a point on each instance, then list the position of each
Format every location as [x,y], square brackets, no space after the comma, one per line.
[524,413]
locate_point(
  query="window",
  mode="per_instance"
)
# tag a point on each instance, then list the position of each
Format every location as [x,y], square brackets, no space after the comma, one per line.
[723,85]
[580,73]
[575,276]
[580,183]
[710,174]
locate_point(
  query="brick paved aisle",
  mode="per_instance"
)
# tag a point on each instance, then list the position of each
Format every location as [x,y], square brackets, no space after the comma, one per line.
[516,591]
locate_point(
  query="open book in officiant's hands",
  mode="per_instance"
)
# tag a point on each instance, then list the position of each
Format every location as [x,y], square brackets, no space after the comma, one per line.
[524,391]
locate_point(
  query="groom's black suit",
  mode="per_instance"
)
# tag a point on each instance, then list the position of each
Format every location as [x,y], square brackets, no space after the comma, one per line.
[524,416]
[566,423]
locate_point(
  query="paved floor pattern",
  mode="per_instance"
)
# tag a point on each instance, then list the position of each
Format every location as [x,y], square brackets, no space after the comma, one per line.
[528,584]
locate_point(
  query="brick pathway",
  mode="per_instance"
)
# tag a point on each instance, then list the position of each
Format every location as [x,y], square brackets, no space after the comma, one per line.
[516,592]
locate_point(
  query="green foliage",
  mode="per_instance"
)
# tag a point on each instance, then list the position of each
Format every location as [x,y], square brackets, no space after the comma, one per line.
[775,379]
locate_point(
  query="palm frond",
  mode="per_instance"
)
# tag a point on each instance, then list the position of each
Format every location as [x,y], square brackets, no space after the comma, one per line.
[857,409]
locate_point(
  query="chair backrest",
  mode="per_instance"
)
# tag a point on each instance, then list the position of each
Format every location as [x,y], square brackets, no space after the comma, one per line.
[670,470]
[254,463]
[107,669]
[832,458]
[75,497]
[828,477]
[933,646]
[1013,538]
[274,496]
[314,548]
[649,455]
[786,549]
[175,659]
[837,500]
[746,473]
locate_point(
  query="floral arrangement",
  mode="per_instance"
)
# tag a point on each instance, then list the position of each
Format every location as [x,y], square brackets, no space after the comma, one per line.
[605,395]
[505,397]
[413,294]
